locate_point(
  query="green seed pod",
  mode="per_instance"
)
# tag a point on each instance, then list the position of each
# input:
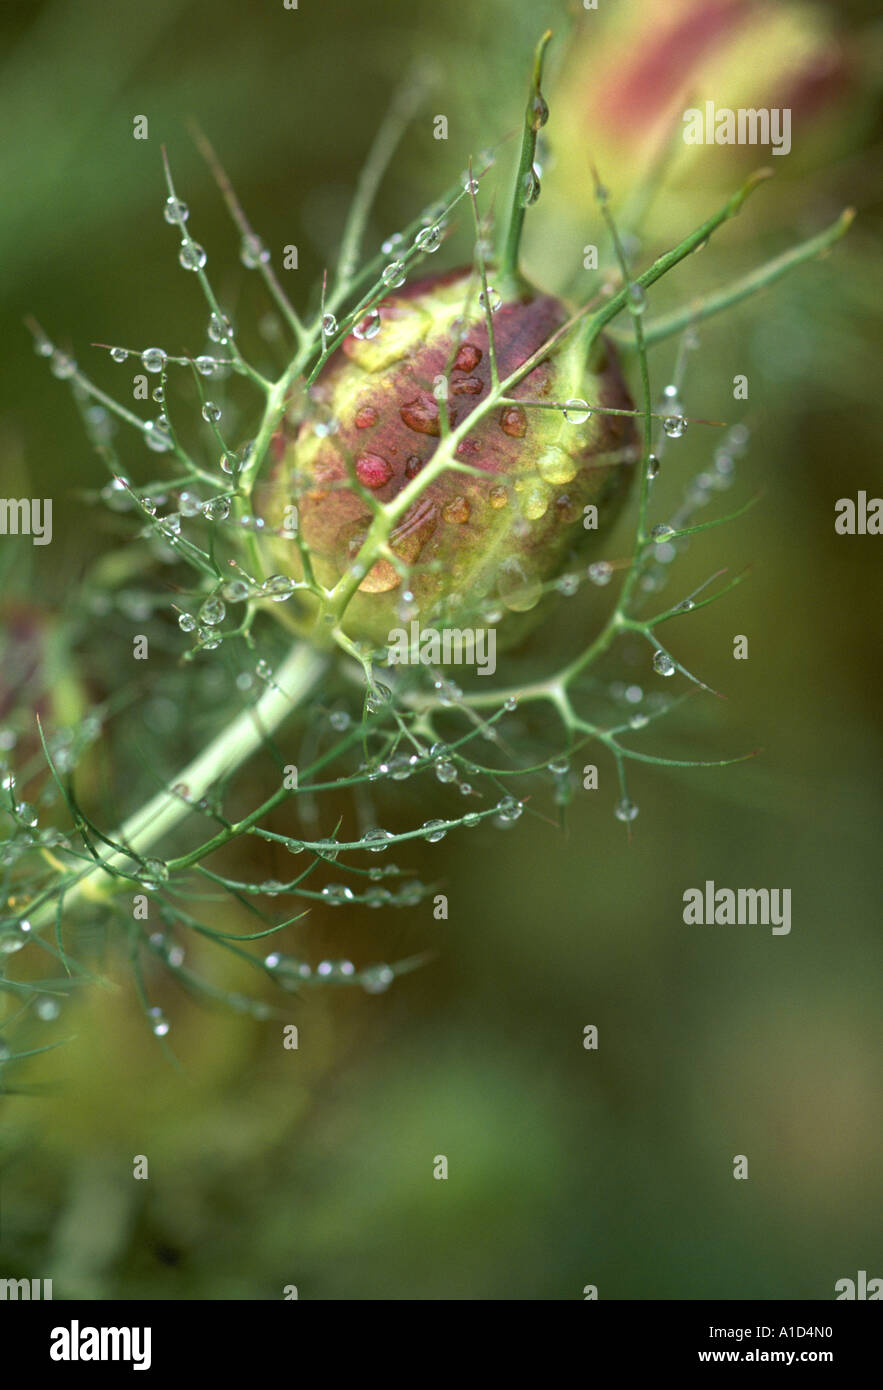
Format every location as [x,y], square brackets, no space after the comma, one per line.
[467,546]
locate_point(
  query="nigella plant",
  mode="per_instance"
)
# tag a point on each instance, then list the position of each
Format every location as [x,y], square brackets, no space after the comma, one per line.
[341,580]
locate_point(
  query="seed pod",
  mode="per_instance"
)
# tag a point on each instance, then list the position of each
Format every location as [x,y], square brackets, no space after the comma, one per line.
[467,547]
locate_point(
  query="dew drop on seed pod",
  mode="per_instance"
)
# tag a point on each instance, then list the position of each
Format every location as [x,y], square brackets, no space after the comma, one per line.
[156,436]
[158,1021]
[62,366]
[369,326]
[278,587]
[576,411]
[153,359]
[530,189]
[394,274]
[662,532]
[428,239]
[509,809]
[625,810]
[118,354]
[377,840]
[220,329]
[470,184]
[675,426]
[653,466]
[47,1010]
[434,830]
[445,771]
[663,664]
[465,789]
[636,298]
[510,705]
[192,256]
[216,509]
[376,979]
[378,696]
[158,395]
[329,325]
[392,243]
[559,767]
[212,612]
[490,300]
[211,413]
[253,252]
[337,893]
[175,212]
[205,365]
[186,622]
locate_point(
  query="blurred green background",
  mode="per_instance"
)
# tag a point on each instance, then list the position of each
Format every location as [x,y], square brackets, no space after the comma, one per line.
[567,1167]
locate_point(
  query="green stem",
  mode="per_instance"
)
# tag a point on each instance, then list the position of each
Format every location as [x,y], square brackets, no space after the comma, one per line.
[297,676]
[510,281]
[670,324]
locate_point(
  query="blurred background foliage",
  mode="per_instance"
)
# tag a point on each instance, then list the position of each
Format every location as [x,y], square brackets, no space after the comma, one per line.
[567,1167]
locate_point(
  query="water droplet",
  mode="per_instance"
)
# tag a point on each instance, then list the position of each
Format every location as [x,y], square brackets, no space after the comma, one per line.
[368,327]
[470,184]
[518,591]
[576,411]
[509,809]
[220,329]
[498,497]
[205,365]
[457,511]
[567,585]
[600,573]
[378,697]
[118,354]
[653,466]
[157,437]
[445,770]
[490,299]
[555,466]
[253,252]
[675,426]
[662,532]
[539,111]
[153,872]
[377,840]
[212,612]
[510,705]
[278,588]
[336,893]
[192,256]
[373,471]
[329,325]
[376,979]
[175,212]
[530,188]
[216,509]
[513,421]
[47,1009]
[186,622]
[62,366]
[392,243]
[153,359]
[434,830]
[340,720]
[158,394]
[211,413]
[263,670]
[638,721]
[394,274]
[365,417]
[468,358]
[663,664]
[158,1021]
[637,298]
[625,810]
[421,415]
[13,937]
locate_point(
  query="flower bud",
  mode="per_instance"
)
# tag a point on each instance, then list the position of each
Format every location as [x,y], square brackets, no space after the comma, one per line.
[468,546]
